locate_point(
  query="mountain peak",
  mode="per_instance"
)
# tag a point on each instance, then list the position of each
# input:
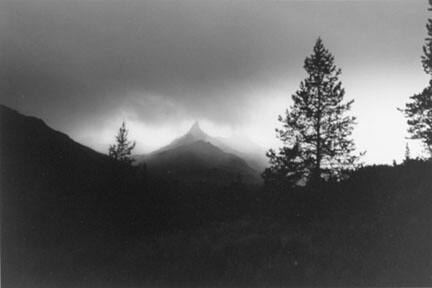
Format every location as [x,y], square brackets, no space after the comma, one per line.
[196,131]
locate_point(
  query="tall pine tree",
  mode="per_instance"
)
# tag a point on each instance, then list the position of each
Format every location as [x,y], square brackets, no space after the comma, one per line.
[123,149]
[419,110]
[316,131]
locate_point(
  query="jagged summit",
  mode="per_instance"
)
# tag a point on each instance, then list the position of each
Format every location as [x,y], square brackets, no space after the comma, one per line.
[196,131]
[194,134]
[195,127]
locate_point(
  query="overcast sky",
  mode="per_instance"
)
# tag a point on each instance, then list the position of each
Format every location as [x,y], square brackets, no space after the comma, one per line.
[84,66]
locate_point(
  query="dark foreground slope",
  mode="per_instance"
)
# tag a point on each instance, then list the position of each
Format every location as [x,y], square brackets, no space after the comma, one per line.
[73,218]
[59,201]
[372,230]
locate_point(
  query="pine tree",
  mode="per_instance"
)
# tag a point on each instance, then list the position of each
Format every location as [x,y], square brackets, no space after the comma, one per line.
[419,110]
[315,127]
[123,149]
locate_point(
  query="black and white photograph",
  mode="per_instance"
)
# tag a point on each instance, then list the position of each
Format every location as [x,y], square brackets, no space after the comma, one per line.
[215,143]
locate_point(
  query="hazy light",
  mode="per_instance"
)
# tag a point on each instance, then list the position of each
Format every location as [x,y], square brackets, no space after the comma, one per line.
[380,131]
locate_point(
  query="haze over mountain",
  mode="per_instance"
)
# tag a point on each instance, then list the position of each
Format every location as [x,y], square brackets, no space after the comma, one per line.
[197,155]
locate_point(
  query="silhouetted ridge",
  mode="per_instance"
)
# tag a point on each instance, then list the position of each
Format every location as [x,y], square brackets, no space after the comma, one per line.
[55,194]
[28,134]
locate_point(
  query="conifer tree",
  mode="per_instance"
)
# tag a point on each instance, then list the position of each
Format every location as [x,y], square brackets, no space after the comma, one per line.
[316,127]
[419,110]
[122,150]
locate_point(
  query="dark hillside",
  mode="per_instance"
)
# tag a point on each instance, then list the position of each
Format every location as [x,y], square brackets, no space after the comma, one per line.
[375,227]
[58,199]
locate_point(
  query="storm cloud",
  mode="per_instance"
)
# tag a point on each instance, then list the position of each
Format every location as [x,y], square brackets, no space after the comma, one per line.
[99,55]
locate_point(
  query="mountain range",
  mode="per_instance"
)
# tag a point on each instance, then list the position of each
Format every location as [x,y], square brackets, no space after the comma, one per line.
[193,157]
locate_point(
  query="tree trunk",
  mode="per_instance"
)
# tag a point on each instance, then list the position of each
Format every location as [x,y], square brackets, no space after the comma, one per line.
[317,168]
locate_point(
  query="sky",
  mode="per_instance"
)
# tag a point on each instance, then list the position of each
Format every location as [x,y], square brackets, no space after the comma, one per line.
[86,66]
